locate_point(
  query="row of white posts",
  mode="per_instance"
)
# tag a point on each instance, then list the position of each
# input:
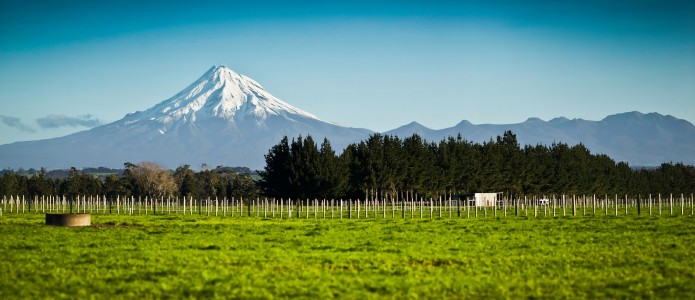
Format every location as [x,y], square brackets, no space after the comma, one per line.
[410,207]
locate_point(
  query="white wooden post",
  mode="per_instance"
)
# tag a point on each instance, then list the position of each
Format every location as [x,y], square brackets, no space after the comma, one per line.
[583,205]
[671,203]
[660,204]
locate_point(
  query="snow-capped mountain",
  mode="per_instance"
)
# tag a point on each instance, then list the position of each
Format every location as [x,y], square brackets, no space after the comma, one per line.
[221,93]
[223,118]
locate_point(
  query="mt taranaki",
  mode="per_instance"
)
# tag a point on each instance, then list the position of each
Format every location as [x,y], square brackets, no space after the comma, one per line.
[224,118]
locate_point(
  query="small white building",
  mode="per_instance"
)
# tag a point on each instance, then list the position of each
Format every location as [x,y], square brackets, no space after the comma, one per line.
[486,199]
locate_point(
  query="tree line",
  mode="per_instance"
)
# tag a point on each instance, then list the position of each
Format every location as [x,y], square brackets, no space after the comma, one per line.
[301,168]
[145,179]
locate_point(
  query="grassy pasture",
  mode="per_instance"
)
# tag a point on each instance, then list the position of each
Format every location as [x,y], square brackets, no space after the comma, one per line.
[174,256]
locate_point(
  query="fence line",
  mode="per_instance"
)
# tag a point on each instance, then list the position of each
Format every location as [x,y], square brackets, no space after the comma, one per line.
[410,206]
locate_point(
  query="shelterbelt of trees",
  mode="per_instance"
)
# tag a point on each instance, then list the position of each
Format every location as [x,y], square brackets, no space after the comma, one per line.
[386,164]
[301,169]
[145,179]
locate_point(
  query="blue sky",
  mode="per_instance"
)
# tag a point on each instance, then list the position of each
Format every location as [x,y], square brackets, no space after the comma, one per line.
[72,65]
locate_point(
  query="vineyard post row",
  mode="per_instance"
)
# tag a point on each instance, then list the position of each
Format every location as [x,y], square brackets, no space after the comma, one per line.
[371,207]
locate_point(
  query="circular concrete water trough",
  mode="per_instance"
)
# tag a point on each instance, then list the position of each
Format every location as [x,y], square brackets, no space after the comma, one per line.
[70,220]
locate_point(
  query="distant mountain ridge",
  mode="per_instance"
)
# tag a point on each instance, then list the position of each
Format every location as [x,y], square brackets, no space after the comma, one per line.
[637,138]
[224,118]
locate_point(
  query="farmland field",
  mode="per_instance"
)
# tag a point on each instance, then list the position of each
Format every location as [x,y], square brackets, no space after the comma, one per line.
[174,256]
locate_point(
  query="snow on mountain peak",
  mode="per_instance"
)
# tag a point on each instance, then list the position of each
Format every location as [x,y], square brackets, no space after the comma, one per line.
[222,93]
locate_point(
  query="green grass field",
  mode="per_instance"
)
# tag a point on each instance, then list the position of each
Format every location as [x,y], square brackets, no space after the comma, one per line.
[214,257]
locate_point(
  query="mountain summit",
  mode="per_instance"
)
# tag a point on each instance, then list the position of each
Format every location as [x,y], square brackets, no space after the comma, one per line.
[222,93]
[223,118]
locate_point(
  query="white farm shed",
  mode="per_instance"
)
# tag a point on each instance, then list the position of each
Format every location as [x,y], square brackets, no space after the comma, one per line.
[486,199]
